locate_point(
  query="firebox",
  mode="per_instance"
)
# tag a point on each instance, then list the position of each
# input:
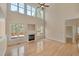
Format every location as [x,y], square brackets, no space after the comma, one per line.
[31,37]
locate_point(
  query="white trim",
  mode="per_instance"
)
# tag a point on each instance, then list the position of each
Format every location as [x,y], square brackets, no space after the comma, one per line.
[62,41]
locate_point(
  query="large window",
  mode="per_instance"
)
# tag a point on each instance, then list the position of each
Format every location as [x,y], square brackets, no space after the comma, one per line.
[14,7]
[21,8]
[40,13]
[17,29]
[29,10]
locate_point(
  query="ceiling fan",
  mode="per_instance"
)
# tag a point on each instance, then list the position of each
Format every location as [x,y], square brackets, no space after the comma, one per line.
[43,5]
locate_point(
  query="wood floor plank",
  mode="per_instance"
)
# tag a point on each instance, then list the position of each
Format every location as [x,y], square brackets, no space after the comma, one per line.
[48,48]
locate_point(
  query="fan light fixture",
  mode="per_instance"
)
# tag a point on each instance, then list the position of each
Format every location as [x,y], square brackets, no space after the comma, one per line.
[43,5]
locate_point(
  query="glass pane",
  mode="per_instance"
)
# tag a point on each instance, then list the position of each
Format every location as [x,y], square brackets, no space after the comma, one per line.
[21,10]
[28,12]
[33,11]
[78,30]
[28,7]
[38,13]
[14,4]
[13,8]
[42,14]
[21,5]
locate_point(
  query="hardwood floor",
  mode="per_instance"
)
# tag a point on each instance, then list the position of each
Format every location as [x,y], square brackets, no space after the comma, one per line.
[47,48]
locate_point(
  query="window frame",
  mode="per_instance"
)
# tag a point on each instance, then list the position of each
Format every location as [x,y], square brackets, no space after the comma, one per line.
[11,4]
[34,11]
[21,8]
[39,14]
[29,10]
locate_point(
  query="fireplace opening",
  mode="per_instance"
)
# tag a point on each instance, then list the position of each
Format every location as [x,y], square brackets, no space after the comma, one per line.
[31,37]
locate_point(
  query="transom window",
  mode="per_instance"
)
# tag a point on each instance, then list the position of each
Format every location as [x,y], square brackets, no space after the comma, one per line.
[21,5]
[14,7]
[21,8]
[27,10]
[28,7]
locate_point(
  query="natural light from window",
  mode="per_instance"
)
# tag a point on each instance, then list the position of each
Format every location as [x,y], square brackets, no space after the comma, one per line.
[33,11]
[26,9]
[21,8]
[14,7]
[29,10]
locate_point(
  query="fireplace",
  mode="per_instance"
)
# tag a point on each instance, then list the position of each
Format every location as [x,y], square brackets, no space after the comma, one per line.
[31,37]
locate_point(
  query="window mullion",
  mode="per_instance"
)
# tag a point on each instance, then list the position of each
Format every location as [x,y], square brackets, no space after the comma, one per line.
[26,9]
[9,6]
[25,6]
[31,10]
[18,7]
[36,12]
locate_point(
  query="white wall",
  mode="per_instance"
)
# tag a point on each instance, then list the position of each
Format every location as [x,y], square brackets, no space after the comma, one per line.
[3,40]
[3,10]
[55,20]
[17,18]
[56,15]
[2,27]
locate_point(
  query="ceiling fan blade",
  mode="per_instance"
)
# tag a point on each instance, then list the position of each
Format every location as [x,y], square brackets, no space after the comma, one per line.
[43,5]
[46,5]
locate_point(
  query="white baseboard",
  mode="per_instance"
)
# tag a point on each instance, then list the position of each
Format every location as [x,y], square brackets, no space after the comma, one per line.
[62,41]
